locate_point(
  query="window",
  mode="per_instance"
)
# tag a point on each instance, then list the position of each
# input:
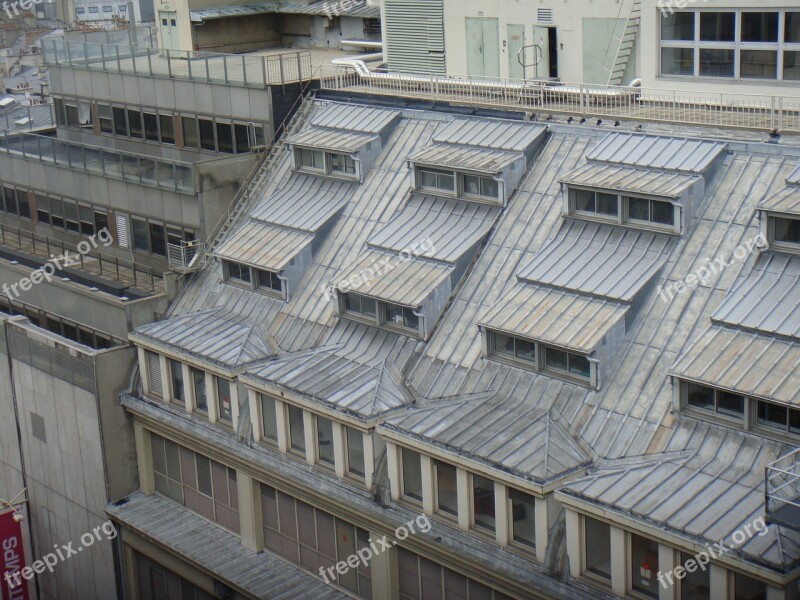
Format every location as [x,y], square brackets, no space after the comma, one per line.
[785,230]
[742,44]
[747,588]
[120,122]
[225,137]
[206,128]
[150,126]
[523,517]
[696,584]
[167,129]
[360,305]
[56,212]
[313,538]
[297,430]
[72,114]
[483,502]
[485,187]
[191,137]
[779,418]
[158,242]
[412,473]
[325,441]
[644,565]
[154,374]
[79,10]
[141,238]
[446,488]
[596,203]
[176,373]
[199,383]
[507,346]
[400,316]
[42,209]
[86,215]
[242,138]
[105,117]
[107,9]
[436,180]
[23,204]
[224,403]
[135,123]
[566,362]
[342,164]
[71,219]
[269,418]
[530,354]
[597,547]
[238,271]
[269,280]
[355,451]
[620,209]
[310,159]
[715,401]
[94,10]
[650,211]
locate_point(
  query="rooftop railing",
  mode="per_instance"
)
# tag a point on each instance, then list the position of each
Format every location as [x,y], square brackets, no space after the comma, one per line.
[245,70]
[783,490]
[143,170]
[741,111]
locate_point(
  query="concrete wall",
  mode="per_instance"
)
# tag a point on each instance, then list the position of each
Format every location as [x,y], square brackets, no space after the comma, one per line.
[237,34]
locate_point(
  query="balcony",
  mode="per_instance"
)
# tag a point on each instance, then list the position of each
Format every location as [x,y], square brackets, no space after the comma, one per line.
[783,490]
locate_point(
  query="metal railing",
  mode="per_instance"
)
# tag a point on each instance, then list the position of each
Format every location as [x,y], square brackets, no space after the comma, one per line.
[125,166]
[26,118]
[783,490]
[125,271]
[742,111]
[186,256]
[246,70]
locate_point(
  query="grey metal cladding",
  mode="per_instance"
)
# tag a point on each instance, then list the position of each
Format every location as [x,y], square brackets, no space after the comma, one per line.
[264,246]
[490,133]
[464,158]
[599,259]
[633,181]
[335,140]
[786,201]
[353,117]
[666,153]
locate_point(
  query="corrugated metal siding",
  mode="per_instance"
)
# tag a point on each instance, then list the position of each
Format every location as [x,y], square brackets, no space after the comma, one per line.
[656,152]
[473,159]
[331,139]
[488,133]
[264,246]
[63,363]
[364,119]
[634,181]
[414,34]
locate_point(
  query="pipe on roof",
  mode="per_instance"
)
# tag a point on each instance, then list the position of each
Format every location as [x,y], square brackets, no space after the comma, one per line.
[362,43]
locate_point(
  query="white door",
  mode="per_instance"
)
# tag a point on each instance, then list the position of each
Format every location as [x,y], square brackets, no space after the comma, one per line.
[169,30]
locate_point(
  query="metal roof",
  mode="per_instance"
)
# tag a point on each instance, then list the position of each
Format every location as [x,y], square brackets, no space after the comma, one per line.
[512,435]
[397,279]
[264,246]
[700,497]
[633,181]
[449,228]
[464,158]
[597,259]
[215,335]
[786,201]
[335,140]
[336,381]
[490,133]
[572,321]
[237,10]
[743,362]
[190,536]
[354,117]
[305,203]
[324,8]
[794,177]
[665,153]
[766,299]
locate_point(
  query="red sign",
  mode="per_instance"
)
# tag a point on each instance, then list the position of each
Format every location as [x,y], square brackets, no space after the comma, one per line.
[13,585]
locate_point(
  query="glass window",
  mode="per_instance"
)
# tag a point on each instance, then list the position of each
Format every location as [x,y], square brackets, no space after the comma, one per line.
[412,473]
[199,383]
[72,114]
[176,372]
[596,202]
[638,209]
[225,137]
[677,61]
[446,488]
[786,230]
[792,28]
[678,26]
[483,502]
[597,547]
[696,585]
[310,159]
[475,185]
[23,204]
[400,316]
[523,517]
[716,62]
[101,220]
[699,396]
[120,122]
[71,216]
[297,439]
[269,419]
[167,129]
[269,280]
[730,404]
[758,64]
[791,66]
[135,123]
[325,440]
[355,451]
[644,565]
[342,163]
[42,208]
[503,344]
[242,138]
[238,271]
[206,134]
[87,219]
[56,212]
[434,179]
[158,242]
[106,118]
[360,305]
[150,126]
[224,400]
[141,240]
[717,27]
[191,138]
[759,27]
[525,350]
[747,588]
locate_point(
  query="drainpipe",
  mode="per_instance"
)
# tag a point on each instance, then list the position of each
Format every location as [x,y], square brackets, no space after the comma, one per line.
[595,379]
[285,284]
[420,315]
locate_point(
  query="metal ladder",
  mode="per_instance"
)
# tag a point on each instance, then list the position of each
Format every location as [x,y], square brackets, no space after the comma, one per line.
[256,181]
[627,45]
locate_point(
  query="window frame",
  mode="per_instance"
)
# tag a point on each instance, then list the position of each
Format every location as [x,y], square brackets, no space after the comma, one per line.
[402,479]
[772,219]
[379,319]
[327,464]
[622,217]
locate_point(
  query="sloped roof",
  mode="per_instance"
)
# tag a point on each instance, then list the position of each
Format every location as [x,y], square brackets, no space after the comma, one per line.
[598,259]
[354,117]
[690,496]
[462,157]
[490,133]
[335,140]
[448,226]
[794,177]
[263,246]
[573,321]
[325,7]
[390,277]
[656,152]
[766,299]
[517,438]
[786,201]
[743,362]
[305,203]
[215,336]
[633,181]
[334,380]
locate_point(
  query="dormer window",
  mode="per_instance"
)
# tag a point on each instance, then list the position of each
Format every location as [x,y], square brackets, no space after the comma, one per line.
[342,164]
[322,162]
[435,180]
[624,209]
[405,319]
[654,212]
[596,203]
[784,232]
[260,280]
[310,159]
[238,272]
[269,280]
[454,184]
[481,187]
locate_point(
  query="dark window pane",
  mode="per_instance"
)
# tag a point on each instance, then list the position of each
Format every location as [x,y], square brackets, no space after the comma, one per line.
[176,371]
[579,365]
[730,404]
[140,235]
[584,201]
[644,565]
[269,419]
[525,350]
[224,399]
[556,359]
[717,27]
[150,127]
[483,502]
[191,138]
[120,123]
[135,123]
[355,451]
[678,26]
[792,28]
[42,209]
[24,204]
[446,490]
[607,204]
[325,440]
[206,134]
[699,396]
[523,517]
[772,415]
[296,429]
[677,61]
[716,63]
[759,64]
[663,213]
[242,139]
[412,473]
[199,382]
[759,26]
[791,66]
[597,544]
[786,230]
[747,588]
[157,240]
[167,129]
[225,137]
[639,209]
